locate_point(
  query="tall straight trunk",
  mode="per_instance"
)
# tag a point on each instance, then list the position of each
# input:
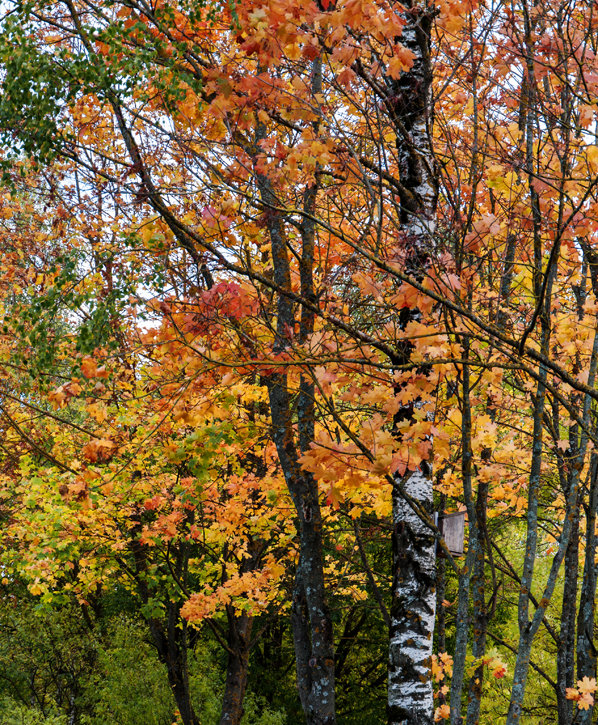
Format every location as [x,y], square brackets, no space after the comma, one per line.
[566,647]
[528,628]
[586,651]
[525,626]
[462,628]
[312,624]
[414,577]
[480,612]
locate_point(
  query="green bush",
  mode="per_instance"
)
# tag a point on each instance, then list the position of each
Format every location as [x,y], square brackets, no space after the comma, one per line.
[14,713]
[129,685]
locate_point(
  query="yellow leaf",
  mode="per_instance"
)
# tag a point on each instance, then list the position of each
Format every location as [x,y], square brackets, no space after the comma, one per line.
[592,157]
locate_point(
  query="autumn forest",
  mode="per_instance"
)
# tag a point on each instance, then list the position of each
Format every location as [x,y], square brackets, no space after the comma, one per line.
[298,360]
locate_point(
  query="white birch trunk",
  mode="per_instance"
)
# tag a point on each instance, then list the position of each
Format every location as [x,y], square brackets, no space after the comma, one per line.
[414,563]
[413,607]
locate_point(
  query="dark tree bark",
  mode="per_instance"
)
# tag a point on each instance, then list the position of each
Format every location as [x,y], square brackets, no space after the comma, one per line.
[480,612]
[171,642]
[566,648]
[312,624]
[440,631]
[237,668]
[586,650]
[481,608]
[585,647]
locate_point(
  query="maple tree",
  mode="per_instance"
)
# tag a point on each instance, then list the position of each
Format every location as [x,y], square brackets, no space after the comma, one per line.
[160,520]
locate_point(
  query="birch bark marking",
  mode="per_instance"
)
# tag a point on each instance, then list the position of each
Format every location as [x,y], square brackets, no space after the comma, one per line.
[413,591]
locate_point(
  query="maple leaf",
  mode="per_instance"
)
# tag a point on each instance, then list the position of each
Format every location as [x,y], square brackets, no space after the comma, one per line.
[98,411]
[152,504]
[99,450]
[401,61]
[443,712]
[585,701]
[58,397]
[89,368]
[499,671]
[333,497]
[587,685]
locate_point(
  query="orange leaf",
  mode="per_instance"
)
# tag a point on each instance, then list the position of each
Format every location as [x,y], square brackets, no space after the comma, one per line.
[99,450]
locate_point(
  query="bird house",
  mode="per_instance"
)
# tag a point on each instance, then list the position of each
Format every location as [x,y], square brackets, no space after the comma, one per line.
[452,527]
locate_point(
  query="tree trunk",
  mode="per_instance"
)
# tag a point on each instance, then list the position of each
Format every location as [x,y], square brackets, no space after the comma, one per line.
[312,624]
[237,669]
[480,613]
[566,649]
[413,608]
[169,635]
[462,628]
[440,593]
[414,576]
[586,651]
[171,645]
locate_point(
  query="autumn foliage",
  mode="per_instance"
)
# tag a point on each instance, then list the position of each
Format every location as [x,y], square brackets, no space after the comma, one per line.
[269,271]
